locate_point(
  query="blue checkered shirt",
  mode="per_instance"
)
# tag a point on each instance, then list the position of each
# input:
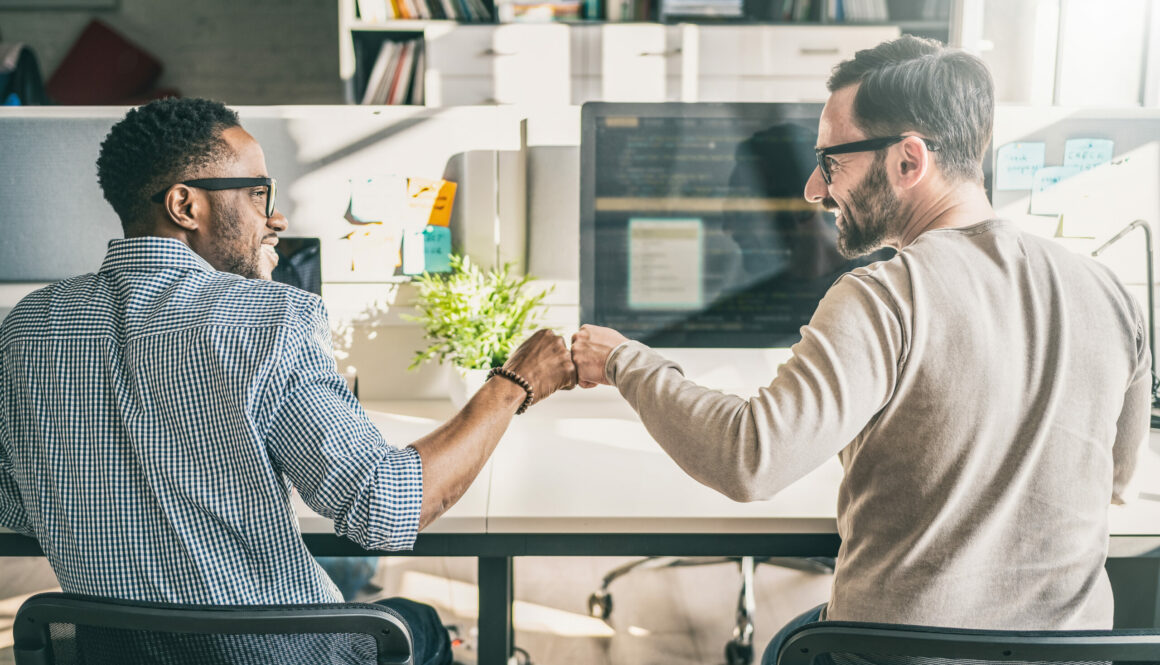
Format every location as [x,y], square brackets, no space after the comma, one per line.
[153,417]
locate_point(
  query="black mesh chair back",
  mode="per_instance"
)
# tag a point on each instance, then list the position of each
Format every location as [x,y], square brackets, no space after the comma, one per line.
[68,629]
[855,643]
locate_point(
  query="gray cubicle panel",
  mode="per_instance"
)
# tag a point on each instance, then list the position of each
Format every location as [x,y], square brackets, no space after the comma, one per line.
[55,222]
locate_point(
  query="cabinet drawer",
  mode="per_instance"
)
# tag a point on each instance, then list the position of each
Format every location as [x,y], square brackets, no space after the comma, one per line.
[471,50]
[782,50]
[762,89]
[813,51]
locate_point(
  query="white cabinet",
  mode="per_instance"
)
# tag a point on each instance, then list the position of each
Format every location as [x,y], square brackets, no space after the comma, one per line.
[770,63]
[498,64]
[563,64]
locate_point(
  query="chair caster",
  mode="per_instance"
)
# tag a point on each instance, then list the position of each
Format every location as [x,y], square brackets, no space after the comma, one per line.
[737,653]
[600,605]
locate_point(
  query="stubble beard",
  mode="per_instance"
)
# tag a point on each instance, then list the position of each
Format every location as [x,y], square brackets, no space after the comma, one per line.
[233,252]
[867,221]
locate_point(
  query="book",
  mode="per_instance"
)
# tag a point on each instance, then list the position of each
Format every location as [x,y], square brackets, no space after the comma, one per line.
[378,83]
[402,75]
[418,76]
[373,11]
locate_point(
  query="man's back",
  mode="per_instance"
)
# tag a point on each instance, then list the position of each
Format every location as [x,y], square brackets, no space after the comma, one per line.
[153,416]
[978,495]
[986,391]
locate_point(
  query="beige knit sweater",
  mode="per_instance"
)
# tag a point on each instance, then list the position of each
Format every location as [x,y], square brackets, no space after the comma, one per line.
[986,391]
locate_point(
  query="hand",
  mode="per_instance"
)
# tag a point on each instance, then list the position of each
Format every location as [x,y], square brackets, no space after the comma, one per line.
[543,360]
[590,349]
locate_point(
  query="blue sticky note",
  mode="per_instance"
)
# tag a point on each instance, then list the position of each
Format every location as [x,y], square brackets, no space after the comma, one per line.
[1017,163]
[437,249]
[1043,181]
[1088,153]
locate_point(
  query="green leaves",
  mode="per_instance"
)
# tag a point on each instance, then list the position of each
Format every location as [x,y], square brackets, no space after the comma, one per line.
[473,318]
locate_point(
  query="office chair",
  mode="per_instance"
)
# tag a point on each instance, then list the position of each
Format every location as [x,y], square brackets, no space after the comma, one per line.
[63,629]
[850,643]
[739,649]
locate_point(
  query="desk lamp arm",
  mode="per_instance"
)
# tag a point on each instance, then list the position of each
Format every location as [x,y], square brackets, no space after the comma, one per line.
[1139,223]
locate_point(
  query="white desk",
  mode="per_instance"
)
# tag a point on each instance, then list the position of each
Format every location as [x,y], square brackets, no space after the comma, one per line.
[579,475]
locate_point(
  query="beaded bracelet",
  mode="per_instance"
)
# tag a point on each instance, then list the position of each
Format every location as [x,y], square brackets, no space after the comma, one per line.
[519,381]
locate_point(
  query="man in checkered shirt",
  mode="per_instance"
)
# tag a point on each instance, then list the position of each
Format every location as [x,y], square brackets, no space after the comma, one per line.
[155,415]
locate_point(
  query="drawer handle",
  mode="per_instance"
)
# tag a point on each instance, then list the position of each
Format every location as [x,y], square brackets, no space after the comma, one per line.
[819,51]
[660,54]
[492,53]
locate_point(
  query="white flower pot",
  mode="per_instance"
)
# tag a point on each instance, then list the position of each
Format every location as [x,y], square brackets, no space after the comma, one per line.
[464,383]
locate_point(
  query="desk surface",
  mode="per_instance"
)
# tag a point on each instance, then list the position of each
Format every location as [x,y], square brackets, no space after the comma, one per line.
[583,464]
[580,464]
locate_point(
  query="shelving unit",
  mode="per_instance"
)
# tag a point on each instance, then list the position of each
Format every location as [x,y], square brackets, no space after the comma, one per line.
[570,62]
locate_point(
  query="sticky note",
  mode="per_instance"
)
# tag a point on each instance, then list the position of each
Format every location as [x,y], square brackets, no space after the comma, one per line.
[1087,153]
[376,199]
[1017,163]
[1045,191]
[414,253]
[431,200]
[437,249]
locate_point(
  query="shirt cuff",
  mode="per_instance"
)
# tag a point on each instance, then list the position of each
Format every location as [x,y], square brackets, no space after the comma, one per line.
[396,515]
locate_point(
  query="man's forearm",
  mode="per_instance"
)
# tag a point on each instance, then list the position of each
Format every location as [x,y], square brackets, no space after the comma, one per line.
[454,454]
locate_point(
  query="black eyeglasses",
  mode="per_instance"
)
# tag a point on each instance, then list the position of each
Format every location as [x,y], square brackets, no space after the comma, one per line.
[216,184]
[869,145]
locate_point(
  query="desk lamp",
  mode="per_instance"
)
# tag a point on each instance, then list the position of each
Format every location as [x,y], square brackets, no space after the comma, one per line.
[1151,305]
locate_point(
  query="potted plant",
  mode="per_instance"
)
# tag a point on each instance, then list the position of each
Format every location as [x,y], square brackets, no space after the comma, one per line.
[473,319]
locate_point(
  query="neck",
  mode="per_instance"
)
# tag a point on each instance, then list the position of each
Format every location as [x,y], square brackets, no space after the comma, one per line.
[957,206]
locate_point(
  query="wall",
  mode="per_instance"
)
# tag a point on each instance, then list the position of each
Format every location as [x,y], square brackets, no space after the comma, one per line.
[247,52]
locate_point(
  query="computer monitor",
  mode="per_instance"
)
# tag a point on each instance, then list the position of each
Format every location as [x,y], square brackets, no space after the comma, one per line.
[694,232]
[299,263]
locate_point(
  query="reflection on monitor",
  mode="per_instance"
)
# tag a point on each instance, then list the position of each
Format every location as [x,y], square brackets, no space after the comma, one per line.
[693,227]
[299,264]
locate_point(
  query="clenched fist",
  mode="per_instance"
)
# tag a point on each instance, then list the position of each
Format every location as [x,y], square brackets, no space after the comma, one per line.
[590,349]
[543,360]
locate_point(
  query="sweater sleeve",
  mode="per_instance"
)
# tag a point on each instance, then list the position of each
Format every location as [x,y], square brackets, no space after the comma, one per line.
[1133,421]
[840,375]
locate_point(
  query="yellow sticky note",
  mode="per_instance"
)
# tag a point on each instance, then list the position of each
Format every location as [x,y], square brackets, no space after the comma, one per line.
[430,201]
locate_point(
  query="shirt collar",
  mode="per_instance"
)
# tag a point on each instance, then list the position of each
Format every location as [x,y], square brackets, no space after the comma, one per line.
[151,252]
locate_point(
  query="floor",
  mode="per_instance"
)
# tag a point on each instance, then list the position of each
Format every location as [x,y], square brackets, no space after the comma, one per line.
[674,616]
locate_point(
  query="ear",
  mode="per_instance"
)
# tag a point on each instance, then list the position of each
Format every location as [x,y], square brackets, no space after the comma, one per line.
[913,163]
[184,207]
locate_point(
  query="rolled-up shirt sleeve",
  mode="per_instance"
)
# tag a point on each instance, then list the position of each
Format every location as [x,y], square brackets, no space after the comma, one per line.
[335,457]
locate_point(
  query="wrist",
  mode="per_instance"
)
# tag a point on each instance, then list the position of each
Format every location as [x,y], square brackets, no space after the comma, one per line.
[517,381]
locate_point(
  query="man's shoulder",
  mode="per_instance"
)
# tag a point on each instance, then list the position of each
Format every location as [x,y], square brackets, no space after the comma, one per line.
[32,312]
[228,298]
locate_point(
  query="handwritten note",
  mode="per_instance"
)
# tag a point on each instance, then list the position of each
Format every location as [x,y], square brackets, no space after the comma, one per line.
[1045,190]
[1017,163]
[1088,153]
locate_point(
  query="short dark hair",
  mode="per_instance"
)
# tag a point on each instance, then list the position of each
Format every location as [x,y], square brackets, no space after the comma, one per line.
[916,84]
[157,145]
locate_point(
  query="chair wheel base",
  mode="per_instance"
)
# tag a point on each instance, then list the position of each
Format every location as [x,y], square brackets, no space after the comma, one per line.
[737,653]
[600,605]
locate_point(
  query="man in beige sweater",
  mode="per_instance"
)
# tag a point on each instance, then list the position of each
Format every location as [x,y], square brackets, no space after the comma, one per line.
[985,390]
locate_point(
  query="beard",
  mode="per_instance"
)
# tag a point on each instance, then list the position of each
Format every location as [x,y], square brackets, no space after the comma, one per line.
[232,248]
[872,211]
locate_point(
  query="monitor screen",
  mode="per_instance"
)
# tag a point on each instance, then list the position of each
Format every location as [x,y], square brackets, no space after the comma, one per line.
[299,263]
[693,227]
